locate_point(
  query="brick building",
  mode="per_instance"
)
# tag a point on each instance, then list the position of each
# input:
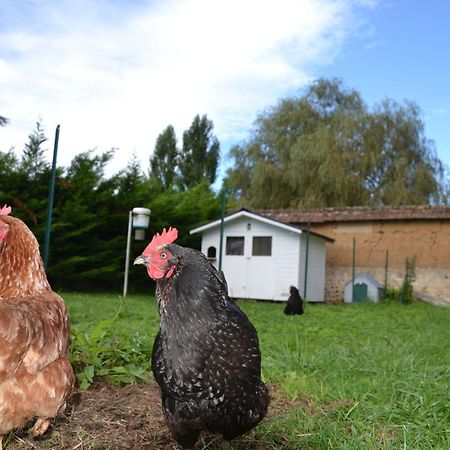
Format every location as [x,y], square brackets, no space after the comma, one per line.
[404,232]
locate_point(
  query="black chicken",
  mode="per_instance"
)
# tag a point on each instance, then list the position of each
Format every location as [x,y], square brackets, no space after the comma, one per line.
[206,356]
[294,303]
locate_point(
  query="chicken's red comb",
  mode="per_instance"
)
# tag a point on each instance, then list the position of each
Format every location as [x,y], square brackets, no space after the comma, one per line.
[166,237]
[5,210]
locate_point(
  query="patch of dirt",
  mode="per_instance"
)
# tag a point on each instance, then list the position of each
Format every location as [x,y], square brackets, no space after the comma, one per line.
[128,418]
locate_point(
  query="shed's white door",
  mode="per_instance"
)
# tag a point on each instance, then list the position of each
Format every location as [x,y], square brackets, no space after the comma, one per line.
[249,277]
[260,267]
[249,266]
[235,266]
[260,277]
[235,270]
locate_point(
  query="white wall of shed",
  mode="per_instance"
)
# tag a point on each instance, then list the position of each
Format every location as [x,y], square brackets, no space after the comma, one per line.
[211,238]
[315,286]
[261,277]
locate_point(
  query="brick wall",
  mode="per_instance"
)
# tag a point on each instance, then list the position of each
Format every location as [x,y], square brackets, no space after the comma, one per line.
[427,240]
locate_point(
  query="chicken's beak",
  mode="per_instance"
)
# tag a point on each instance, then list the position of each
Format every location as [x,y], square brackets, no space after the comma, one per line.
[141,260]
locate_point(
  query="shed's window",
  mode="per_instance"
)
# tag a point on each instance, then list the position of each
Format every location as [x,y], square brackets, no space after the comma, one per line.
[262,246]
[211,252]
[235,245]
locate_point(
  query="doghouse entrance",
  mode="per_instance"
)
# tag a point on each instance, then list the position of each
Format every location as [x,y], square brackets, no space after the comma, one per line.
[360,292]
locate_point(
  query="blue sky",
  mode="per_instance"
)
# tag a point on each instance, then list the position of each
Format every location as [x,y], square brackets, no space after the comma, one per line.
[406,55]
[116,73]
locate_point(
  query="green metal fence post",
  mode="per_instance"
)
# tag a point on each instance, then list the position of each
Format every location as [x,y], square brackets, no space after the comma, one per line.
[405,283]
[222,215]
[308,226]
[386,273]
[51,195]
[353,269]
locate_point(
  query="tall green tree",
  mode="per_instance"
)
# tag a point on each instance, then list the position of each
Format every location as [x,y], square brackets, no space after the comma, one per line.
[199,157]
[163,163]
[9,177]
[91,211]
[85,238]
[326,148]
[130,180]
[29,188]
[33,161]
[404,167]
[185,210]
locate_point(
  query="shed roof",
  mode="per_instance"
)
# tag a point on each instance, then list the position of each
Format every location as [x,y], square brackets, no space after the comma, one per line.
[358,214]
[256,216]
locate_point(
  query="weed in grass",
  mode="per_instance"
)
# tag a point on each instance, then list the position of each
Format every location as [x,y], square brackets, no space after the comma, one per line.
[102,352]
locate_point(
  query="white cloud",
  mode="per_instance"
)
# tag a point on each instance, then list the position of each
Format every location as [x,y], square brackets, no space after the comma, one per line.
[115,74]
[440,112]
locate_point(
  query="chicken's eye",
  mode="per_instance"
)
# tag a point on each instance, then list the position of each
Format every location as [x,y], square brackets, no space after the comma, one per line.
[163,255]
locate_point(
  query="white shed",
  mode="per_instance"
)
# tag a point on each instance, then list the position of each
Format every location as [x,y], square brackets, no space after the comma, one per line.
[365,287]
[262,258]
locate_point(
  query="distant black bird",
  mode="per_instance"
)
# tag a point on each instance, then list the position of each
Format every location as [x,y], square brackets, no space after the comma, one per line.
[206,356]
[294,303]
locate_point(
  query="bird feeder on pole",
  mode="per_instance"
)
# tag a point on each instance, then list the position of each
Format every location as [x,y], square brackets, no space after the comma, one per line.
[139,219]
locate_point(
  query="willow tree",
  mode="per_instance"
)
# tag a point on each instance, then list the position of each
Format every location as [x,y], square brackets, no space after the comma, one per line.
[404,168]
[326,148]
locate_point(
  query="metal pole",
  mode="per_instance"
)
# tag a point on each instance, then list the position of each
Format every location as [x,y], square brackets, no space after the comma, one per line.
[306,259]
[386,273]
[51,195]
[353,269]
[222,216]
[405,283]
[127,256]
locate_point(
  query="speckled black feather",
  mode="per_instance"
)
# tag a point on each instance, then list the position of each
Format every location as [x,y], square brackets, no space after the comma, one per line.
[206,356]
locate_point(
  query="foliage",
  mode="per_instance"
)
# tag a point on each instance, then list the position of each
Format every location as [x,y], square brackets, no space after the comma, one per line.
[404,294]
[8,174]
[33,162]
[192,208]
[199,156]
[326,148]
[194,163]
[410,275]
[163,163]
[404,167]
[101,354]
[323,148]
[393,295]
[85,233]
[359,376]
[183,209]
[25,180]
[90,215]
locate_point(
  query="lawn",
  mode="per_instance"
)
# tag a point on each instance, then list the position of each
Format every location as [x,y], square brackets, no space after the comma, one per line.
[359,376]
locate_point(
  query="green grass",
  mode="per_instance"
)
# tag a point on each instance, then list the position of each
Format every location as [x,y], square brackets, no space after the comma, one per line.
[363,376]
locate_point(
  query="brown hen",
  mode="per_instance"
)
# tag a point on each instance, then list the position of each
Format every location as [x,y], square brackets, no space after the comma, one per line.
[36,377]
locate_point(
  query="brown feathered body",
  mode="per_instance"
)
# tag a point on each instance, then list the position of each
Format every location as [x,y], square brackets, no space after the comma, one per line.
[36,377]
